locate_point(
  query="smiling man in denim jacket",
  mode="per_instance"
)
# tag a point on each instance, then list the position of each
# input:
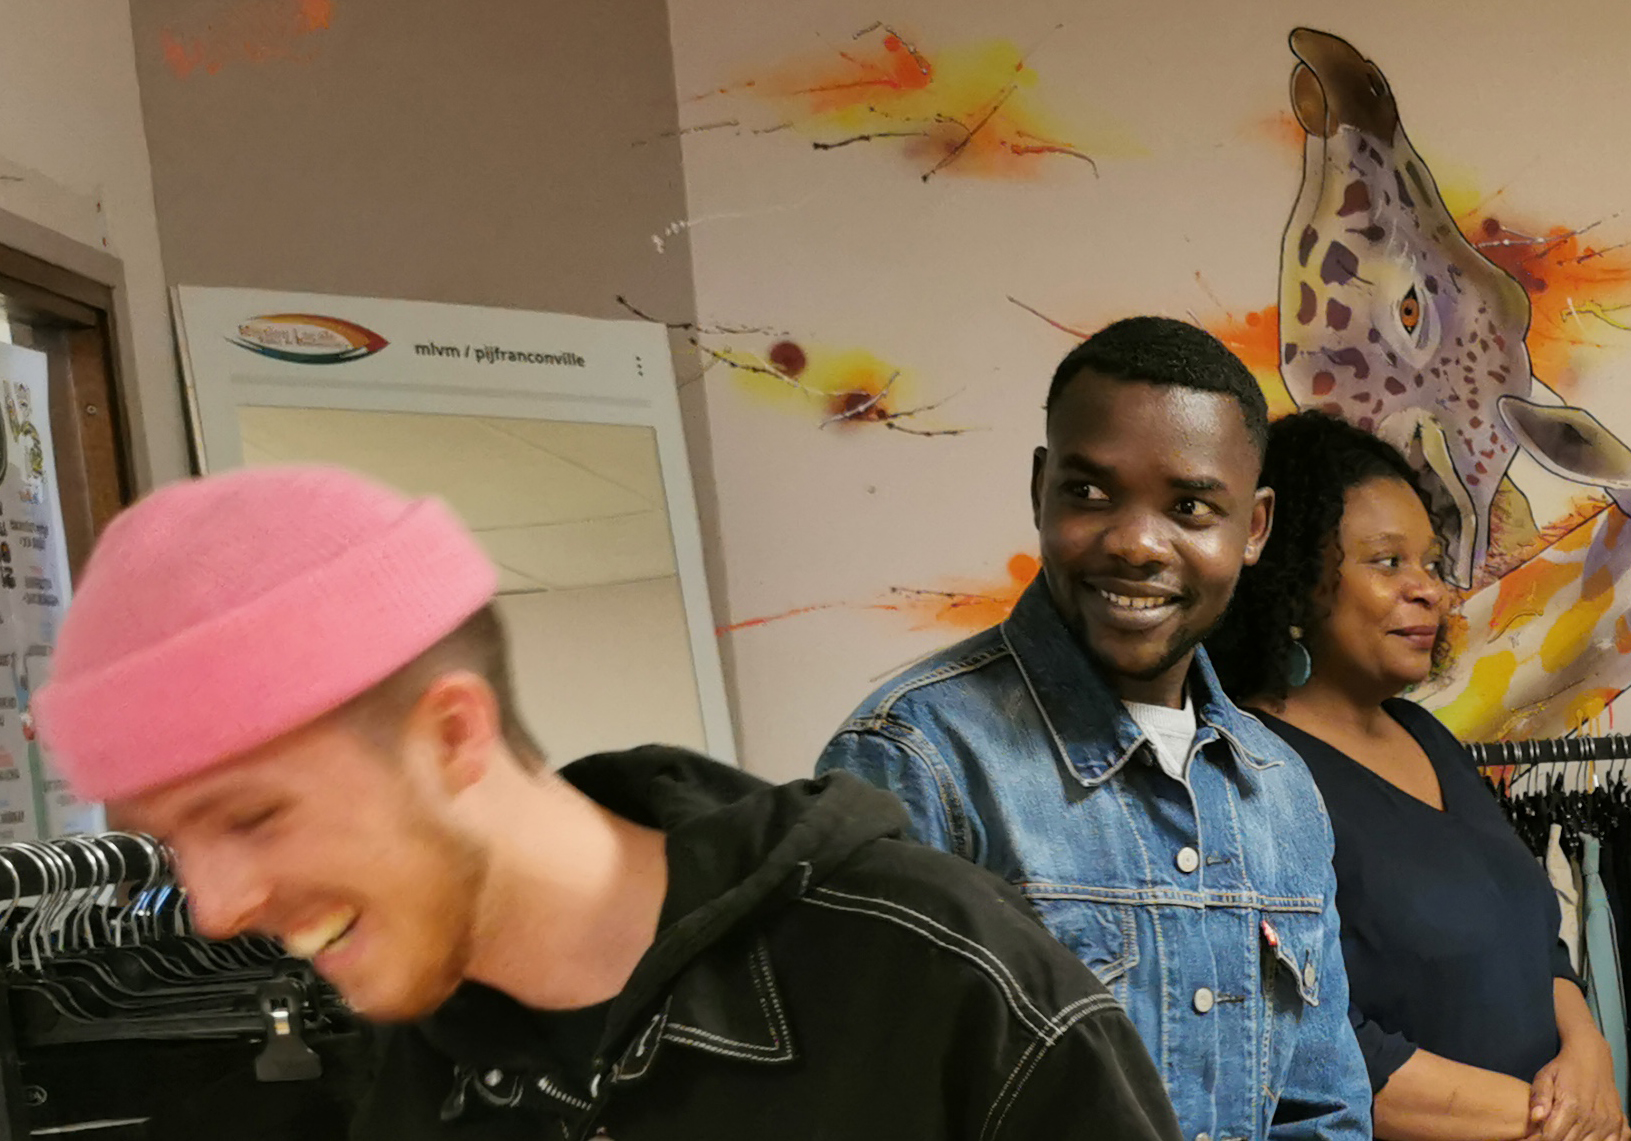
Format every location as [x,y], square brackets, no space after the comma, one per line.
[1083,750]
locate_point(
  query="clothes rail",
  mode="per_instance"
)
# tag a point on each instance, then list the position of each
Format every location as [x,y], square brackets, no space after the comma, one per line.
[31,867]
[1550,750]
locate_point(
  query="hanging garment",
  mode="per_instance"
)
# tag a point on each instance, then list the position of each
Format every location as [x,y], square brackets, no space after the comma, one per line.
[1561,873]
[1602,965]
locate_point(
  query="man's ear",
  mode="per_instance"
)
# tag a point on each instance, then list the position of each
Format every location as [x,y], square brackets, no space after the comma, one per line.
[1262,524]
[1039,466]
[455,726]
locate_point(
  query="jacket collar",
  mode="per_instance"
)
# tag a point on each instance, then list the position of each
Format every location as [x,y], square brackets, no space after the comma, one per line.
[1092,733]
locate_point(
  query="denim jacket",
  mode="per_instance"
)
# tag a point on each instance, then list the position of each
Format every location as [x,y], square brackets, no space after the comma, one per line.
[1207,906]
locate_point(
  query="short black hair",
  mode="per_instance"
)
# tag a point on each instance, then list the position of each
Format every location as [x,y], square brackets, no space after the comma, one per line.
[1311,461]
[1160,350]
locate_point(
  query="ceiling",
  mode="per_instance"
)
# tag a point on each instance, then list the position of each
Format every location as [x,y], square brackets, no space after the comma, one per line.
[558,506]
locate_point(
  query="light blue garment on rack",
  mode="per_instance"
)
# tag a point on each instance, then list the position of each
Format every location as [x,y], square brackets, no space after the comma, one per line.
[1602,961]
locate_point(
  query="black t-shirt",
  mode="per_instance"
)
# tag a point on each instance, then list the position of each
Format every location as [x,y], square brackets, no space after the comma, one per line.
[1449,924]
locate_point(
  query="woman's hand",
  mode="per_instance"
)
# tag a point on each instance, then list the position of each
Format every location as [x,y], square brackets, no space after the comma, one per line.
[1574,1098]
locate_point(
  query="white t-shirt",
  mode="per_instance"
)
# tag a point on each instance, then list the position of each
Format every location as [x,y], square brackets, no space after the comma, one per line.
[1171,731]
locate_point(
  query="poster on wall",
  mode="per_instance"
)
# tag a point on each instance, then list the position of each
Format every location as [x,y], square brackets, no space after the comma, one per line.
[34,588]
[558,441]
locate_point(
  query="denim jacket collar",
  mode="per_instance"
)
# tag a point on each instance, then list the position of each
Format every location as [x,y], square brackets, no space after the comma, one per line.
[1077,703]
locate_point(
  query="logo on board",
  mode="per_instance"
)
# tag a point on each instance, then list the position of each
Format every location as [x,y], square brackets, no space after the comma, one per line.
[307,338]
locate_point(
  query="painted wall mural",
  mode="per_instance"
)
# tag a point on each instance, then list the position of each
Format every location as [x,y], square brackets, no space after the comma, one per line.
[1470,301]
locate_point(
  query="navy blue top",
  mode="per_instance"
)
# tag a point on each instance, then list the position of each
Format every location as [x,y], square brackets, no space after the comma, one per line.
[1449,924]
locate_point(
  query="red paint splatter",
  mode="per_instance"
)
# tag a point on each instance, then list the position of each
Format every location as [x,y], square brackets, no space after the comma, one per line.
[787,358]
[253,31]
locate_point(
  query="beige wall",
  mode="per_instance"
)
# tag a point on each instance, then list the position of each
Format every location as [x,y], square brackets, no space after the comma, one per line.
[486,152]
[73,158]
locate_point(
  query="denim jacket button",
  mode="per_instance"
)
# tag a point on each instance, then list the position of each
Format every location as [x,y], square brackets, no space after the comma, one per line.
[1188,860]
[1309,975]
[1204,998]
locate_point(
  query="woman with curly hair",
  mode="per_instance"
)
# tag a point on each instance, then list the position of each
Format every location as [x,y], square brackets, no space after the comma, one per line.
[1471,1021]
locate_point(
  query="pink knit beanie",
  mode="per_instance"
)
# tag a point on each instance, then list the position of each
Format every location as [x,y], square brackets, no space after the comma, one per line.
[218,614]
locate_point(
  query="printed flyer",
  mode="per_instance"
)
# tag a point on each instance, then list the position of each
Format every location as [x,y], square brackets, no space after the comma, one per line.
[34,588]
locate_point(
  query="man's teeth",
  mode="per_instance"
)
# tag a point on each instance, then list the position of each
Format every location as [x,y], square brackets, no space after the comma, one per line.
[1135,603]
[309,942]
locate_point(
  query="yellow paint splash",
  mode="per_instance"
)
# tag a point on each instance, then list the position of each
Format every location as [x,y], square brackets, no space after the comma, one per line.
[1480,712]
[970,110]
[1571,632]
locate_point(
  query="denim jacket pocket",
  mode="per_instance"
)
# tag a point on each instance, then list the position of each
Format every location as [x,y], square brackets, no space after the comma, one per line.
[1102,935]
[1293,945]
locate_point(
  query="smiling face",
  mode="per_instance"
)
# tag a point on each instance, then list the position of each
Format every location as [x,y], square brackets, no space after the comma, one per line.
[1383,603]
[340,848]
[1147,503]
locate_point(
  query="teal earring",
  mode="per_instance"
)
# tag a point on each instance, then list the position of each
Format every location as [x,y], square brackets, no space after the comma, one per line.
[1299,666]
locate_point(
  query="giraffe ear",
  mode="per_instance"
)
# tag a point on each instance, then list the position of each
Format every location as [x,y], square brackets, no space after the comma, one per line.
[1570,442]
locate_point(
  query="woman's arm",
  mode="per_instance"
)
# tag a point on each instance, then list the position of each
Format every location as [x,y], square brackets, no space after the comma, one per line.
[1574,1097]
[1430,1098]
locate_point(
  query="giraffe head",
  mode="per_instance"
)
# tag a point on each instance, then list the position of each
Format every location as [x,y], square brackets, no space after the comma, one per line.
[1389,317]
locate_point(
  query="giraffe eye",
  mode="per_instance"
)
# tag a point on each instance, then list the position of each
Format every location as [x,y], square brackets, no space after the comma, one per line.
[1410,311]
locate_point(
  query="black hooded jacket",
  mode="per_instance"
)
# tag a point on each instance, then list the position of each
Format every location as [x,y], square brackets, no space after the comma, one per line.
[813,976]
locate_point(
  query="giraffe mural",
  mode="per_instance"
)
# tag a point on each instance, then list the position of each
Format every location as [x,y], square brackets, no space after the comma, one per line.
[1392,319]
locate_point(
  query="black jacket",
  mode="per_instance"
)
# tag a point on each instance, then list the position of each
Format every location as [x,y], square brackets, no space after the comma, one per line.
[813,976]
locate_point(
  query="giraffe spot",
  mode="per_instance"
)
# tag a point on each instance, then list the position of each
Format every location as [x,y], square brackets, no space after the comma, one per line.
[1360,398]
[1476,422]
[1494,437]
[1391,358]
[1355,199]
[1324,382]
[1306,307]
[1305,244]
[1395,386]
[1479,467]
[1472,481]
[1472,354]
[1473,404]
[1366,424]
[1331,407]
[1404,195]
[1371,233]
[1419,380]
[1374,336]
[1489,455]
[1377,410]
[1431,283]
[1351,358]
[1290,353]
[1337,314]
[1340,265]
[1500,342]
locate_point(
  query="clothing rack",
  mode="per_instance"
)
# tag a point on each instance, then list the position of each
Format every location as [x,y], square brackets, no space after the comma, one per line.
[106,995]
[79,862]
[1551,750]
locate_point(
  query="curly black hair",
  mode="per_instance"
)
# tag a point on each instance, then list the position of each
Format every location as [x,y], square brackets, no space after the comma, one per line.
[1311,461]
[1161,350]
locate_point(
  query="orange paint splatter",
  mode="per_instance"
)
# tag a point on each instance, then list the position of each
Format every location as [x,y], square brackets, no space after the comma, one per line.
[970,606]
[1582,510]
[1255,339]
[1579,289]
[1524,593]
[959,605]
[1282,130]
[968,110]
[254,31]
